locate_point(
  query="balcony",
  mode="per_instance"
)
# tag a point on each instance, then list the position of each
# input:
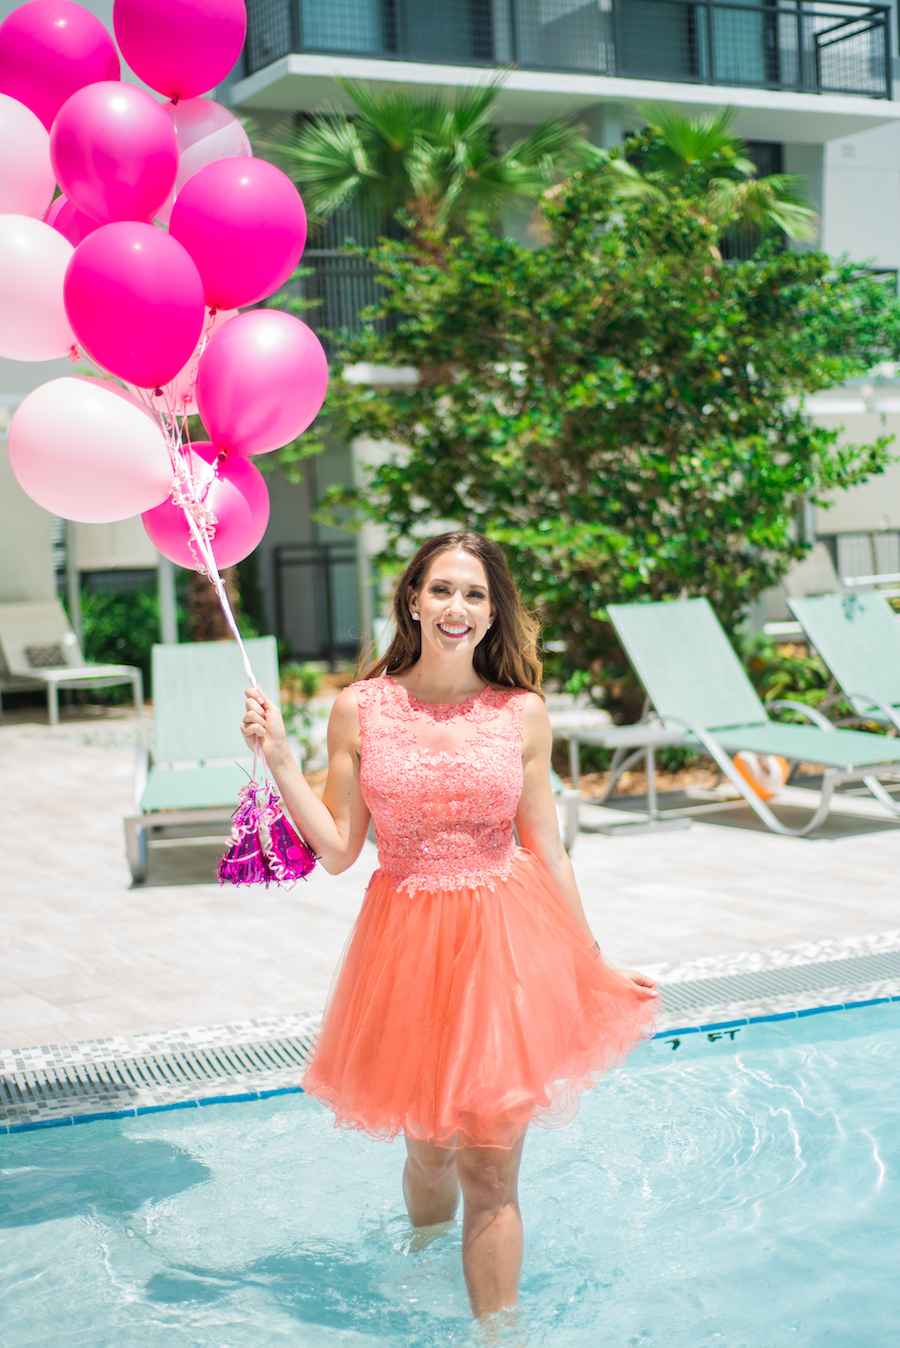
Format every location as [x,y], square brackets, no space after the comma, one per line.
[840,47]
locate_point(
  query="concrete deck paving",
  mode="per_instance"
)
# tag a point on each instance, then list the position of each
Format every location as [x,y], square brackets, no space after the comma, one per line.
[84,955]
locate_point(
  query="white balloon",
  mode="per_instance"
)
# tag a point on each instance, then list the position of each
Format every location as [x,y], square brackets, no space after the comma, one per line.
[27,183]
[89,452]
[206,132]
[33,261]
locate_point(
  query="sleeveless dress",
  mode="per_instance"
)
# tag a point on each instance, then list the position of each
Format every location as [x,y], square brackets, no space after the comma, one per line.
[469,1003]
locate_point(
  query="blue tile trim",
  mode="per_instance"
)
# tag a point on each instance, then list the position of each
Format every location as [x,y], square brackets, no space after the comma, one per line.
[780,1015]
[33,1124]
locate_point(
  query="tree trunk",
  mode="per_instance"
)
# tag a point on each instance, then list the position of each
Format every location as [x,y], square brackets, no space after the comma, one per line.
[205,617]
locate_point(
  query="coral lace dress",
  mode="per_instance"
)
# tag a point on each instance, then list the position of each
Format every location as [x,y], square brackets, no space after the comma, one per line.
[469,1003]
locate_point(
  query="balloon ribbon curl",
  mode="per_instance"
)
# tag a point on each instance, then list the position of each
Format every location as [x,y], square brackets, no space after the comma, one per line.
[264,847]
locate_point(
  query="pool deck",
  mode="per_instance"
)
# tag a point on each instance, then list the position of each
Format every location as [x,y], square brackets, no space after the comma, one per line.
[86,956]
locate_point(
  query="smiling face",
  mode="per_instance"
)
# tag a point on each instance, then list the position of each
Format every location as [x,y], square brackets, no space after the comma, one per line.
[453,606]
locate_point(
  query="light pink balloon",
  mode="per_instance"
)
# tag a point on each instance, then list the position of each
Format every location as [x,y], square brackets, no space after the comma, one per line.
[86,453]
[50,48]
[71,223]
[262,381]
[33,262]
[180,394]
[237,496]
[135,302]
[180,47]
[26,174]
[243,223]
[114,152]
[206,132]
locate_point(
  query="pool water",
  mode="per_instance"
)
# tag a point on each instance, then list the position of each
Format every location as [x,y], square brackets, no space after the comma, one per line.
[717,1194]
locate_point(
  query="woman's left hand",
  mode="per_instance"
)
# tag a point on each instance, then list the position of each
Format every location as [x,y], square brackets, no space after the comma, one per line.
[642,981]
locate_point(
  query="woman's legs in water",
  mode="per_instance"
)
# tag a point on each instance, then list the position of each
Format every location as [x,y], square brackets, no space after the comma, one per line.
[492,1223]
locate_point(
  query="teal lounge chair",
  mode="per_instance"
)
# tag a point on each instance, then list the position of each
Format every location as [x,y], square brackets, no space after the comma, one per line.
[695,681]
[858,637]
[200,760]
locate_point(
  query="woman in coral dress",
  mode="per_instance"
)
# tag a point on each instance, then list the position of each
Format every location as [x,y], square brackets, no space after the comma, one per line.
[473,999]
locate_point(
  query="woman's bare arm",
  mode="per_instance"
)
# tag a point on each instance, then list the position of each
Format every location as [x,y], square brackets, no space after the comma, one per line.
[537,823]
[335,827]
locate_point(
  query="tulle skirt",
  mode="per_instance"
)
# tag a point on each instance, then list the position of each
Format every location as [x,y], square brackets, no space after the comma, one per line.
[463,1016]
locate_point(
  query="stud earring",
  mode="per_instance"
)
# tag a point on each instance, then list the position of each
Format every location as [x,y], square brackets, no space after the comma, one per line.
[415,617]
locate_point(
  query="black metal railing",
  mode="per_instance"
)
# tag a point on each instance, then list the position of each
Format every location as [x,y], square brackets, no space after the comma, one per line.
[833,47]
[317,600]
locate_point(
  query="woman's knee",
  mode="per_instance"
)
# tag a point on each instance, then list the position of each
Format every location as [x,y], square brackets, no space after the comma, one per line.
[429,1162]
[488,1181]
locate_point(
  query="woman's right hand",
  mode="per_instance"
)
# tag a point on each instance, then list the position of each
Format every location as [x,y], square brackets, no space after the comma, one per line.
[263,725]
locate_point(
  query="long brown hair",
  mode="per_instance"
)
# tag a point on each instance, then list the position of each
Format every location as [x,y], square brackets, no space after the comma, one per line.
[507,656]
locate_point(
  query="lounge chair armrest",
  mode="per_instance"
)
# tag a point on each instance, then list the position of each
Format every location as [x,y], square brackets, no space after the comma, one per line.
[141,773]
[891,714]
[811,713]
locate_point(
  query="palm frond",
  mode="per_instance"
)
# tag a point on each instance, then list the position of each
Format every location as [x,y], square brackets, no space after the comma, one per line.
[628,183]
[768,204]
[326,158]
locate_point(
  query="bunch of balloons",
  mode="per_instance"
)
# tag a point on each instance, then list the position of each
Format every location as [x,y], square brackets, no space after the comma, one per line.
[165,228]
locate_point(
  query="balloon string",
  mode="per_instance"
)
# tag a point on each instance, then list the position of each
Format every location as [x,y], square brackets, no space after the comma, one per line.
[175,435]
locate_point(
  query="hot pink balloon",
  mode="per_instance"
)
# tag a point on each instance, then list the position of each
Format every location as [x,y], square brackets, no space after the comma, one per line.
[206,132]
[114,152]
[243,223]
[26,174]
[87,453]
[71,223]
[180,47]
[236,495]
[33,262]
[135,301]
[50,48]
[262,381]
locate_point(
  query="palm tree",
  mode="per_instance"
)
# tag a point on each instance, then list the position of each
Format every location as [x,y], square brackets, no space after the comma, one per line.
[704,156]
[434,158]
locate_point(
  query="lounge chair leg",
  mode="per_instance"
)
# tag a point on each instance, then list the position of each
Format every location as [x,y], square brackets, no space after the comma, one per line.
[882,796]
[716,752]
[53,703]
[137,684]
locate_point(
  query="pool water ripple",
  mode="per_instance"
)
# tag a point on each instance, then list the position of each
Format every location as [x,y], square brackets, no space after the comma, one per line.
[721,1195]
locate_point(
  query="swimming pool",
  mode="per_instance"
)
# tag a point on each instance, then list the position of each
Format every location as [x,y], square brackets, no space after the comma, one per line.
[724,1193]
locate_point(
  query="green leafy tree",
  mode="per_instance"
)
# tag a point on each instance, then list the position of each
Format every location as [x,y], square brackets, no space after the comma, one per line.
[436,159]
[618,407]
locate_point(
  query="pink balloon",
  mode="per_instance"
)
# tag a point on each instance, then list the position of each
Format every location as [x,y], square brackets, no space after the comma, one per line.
[206,132]
[180,47]
[71,223]
[235,493]
[243,223]
[180,394]
[26,174]
[50,48]
[33,262]
[135,301]
[87,453]
[114,152]
[262,381]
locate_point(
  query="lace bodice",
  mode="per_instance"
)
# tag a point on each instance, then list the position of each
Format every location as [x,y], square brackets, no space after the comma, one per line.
[442,783]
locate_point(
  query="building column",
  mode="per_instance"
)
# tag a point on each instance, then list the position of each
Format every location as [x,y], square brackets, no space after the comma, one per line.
[604,124]
[168,616]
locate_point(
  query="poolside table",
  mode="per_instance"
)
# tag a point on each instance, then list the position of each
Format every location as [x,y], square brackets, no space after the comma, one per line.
[642,740]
